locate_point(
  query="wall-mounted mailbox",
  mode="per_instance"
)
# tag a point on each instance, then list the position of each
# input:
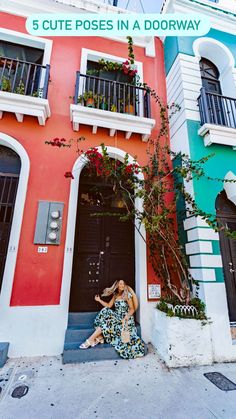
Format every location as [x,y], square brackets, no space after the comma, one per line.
[48,223]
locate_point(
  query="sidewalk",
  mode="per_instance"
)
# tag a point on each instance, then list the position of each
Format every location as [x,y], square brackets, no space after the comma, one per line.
[141,388]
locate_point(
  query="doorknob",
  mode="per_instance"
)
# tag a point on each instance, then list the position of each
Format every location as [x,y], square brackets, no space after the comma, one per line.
[231,270]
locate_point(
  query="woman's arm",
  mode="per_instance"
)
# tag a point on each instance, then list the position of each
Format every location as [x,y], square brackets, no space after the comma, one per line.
[103,303]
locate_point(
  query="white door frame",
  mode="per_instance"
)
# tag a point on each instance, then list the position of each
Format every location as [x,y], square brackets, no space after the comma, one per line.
[10,264]
[144,312]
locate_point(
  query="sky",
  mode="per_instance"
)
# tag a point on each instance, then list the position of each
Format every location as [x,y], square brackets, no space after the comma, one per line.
[150,6]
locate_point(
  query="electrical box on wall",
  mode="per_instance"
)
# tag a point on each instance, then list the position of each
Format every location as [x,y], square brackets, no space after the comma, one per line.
[48,223]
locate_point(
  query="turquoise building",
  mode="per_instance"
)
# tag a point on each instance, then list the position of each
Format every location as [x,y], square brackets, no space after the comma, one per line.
[201,78]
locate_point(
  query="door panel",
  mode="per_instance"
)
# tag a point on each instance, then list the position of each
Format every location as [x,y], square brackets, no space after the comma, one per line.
[103,251]
[228,251]
[226,215]
[90,232]
[122,237]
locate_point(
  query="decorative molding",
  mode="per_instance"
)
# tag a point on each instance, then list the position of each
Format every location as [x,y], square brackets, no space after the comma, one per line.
[202,234]
[183,87]
[222,57]
[218,134]
[113,121]
[205,46]
[198,247]
[205,275]
[193,222]
[206,261]
[25,105]
[230,188]
[179,139]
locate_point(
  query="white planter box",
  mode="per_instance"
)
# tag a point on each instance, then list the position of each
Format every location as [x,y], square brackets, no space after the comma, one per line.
[181,342]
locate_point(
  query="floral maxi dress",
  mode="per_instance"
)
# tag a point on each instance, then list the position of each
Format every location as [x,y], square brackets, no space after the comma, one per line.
[110,322]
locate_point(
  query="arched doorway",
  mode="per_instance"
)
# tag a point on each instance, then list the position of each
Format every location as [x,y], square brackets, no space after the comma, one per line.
[226,216]
[10,166]
[103,246]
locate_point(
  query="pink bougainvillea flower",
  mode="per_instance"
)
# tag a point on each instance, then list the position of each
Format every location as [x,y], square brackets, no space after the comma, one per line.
[69,175]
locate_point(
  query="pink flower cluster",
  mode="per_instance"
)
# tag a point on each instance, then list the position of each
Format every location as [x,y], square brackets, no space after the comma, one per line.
[96,160]
[57,142]
[69,175]
[132,168]
[129,68]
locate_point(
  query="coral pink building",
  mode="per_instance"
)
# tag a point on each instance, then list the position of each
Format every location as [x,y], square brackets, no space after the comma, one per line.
[53,256]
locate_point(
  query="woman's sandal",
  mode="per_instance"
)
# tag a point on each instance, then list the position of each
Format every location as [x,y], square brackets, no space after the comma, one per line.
[87,344]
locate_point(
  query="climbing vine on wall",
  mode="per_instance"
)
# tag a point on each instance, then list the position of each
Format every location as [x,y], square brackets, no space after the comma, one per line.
[158,184]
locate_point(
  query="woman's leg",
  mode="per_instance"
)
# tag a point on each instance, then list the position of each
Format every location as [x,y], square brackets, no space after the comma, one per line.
[96,334]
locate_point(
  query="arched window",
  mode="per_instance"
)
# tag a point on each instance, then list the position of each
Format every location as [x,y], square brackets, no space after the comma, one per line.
[210,76]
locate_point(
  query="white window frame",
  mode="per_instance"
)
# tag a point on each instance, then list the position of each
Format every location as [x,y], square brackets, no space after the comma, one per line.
[29,41]
[92,55]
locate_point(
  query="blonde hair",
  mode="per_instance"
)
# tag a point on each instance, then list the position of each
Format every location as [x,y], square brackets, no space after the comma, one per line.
[111,290]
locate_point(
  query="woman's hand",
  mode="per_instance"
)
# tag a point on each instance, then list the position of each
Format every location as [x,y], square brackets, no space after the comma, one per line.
[97,298]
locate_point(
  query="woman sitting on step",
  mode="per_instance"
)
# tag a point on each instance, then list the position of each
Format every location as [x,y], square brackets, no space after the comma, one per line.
[110,324]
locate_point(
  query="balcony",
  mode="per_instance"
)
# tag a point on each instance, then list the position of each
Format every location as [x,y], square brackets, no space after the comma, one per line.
[218,119]
[113,105]
[24,89]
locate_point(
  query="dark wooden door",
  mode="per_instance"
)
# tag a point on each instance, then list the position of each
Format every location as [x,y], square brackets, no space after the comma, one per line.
[104,247]
[9,176]
[226,213]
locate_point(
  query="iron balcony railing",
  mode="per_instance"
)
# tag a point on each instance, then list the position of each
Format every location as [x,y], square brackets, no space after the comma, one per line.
[217,109]
[112,95]
[22,77]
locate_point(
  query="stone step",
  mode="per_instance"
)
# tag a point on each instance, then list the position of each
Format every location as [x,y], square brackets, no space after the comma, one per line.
[80,333]
[82,318]
[4,346]
[101,352]
[80,327]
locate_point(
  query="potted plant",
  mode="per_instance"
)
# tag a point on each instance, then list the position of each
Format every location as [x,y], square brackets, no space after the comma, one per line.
[6,84]
[129,107]
[113,108]
[101,100]
[87,98]
[20,88]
